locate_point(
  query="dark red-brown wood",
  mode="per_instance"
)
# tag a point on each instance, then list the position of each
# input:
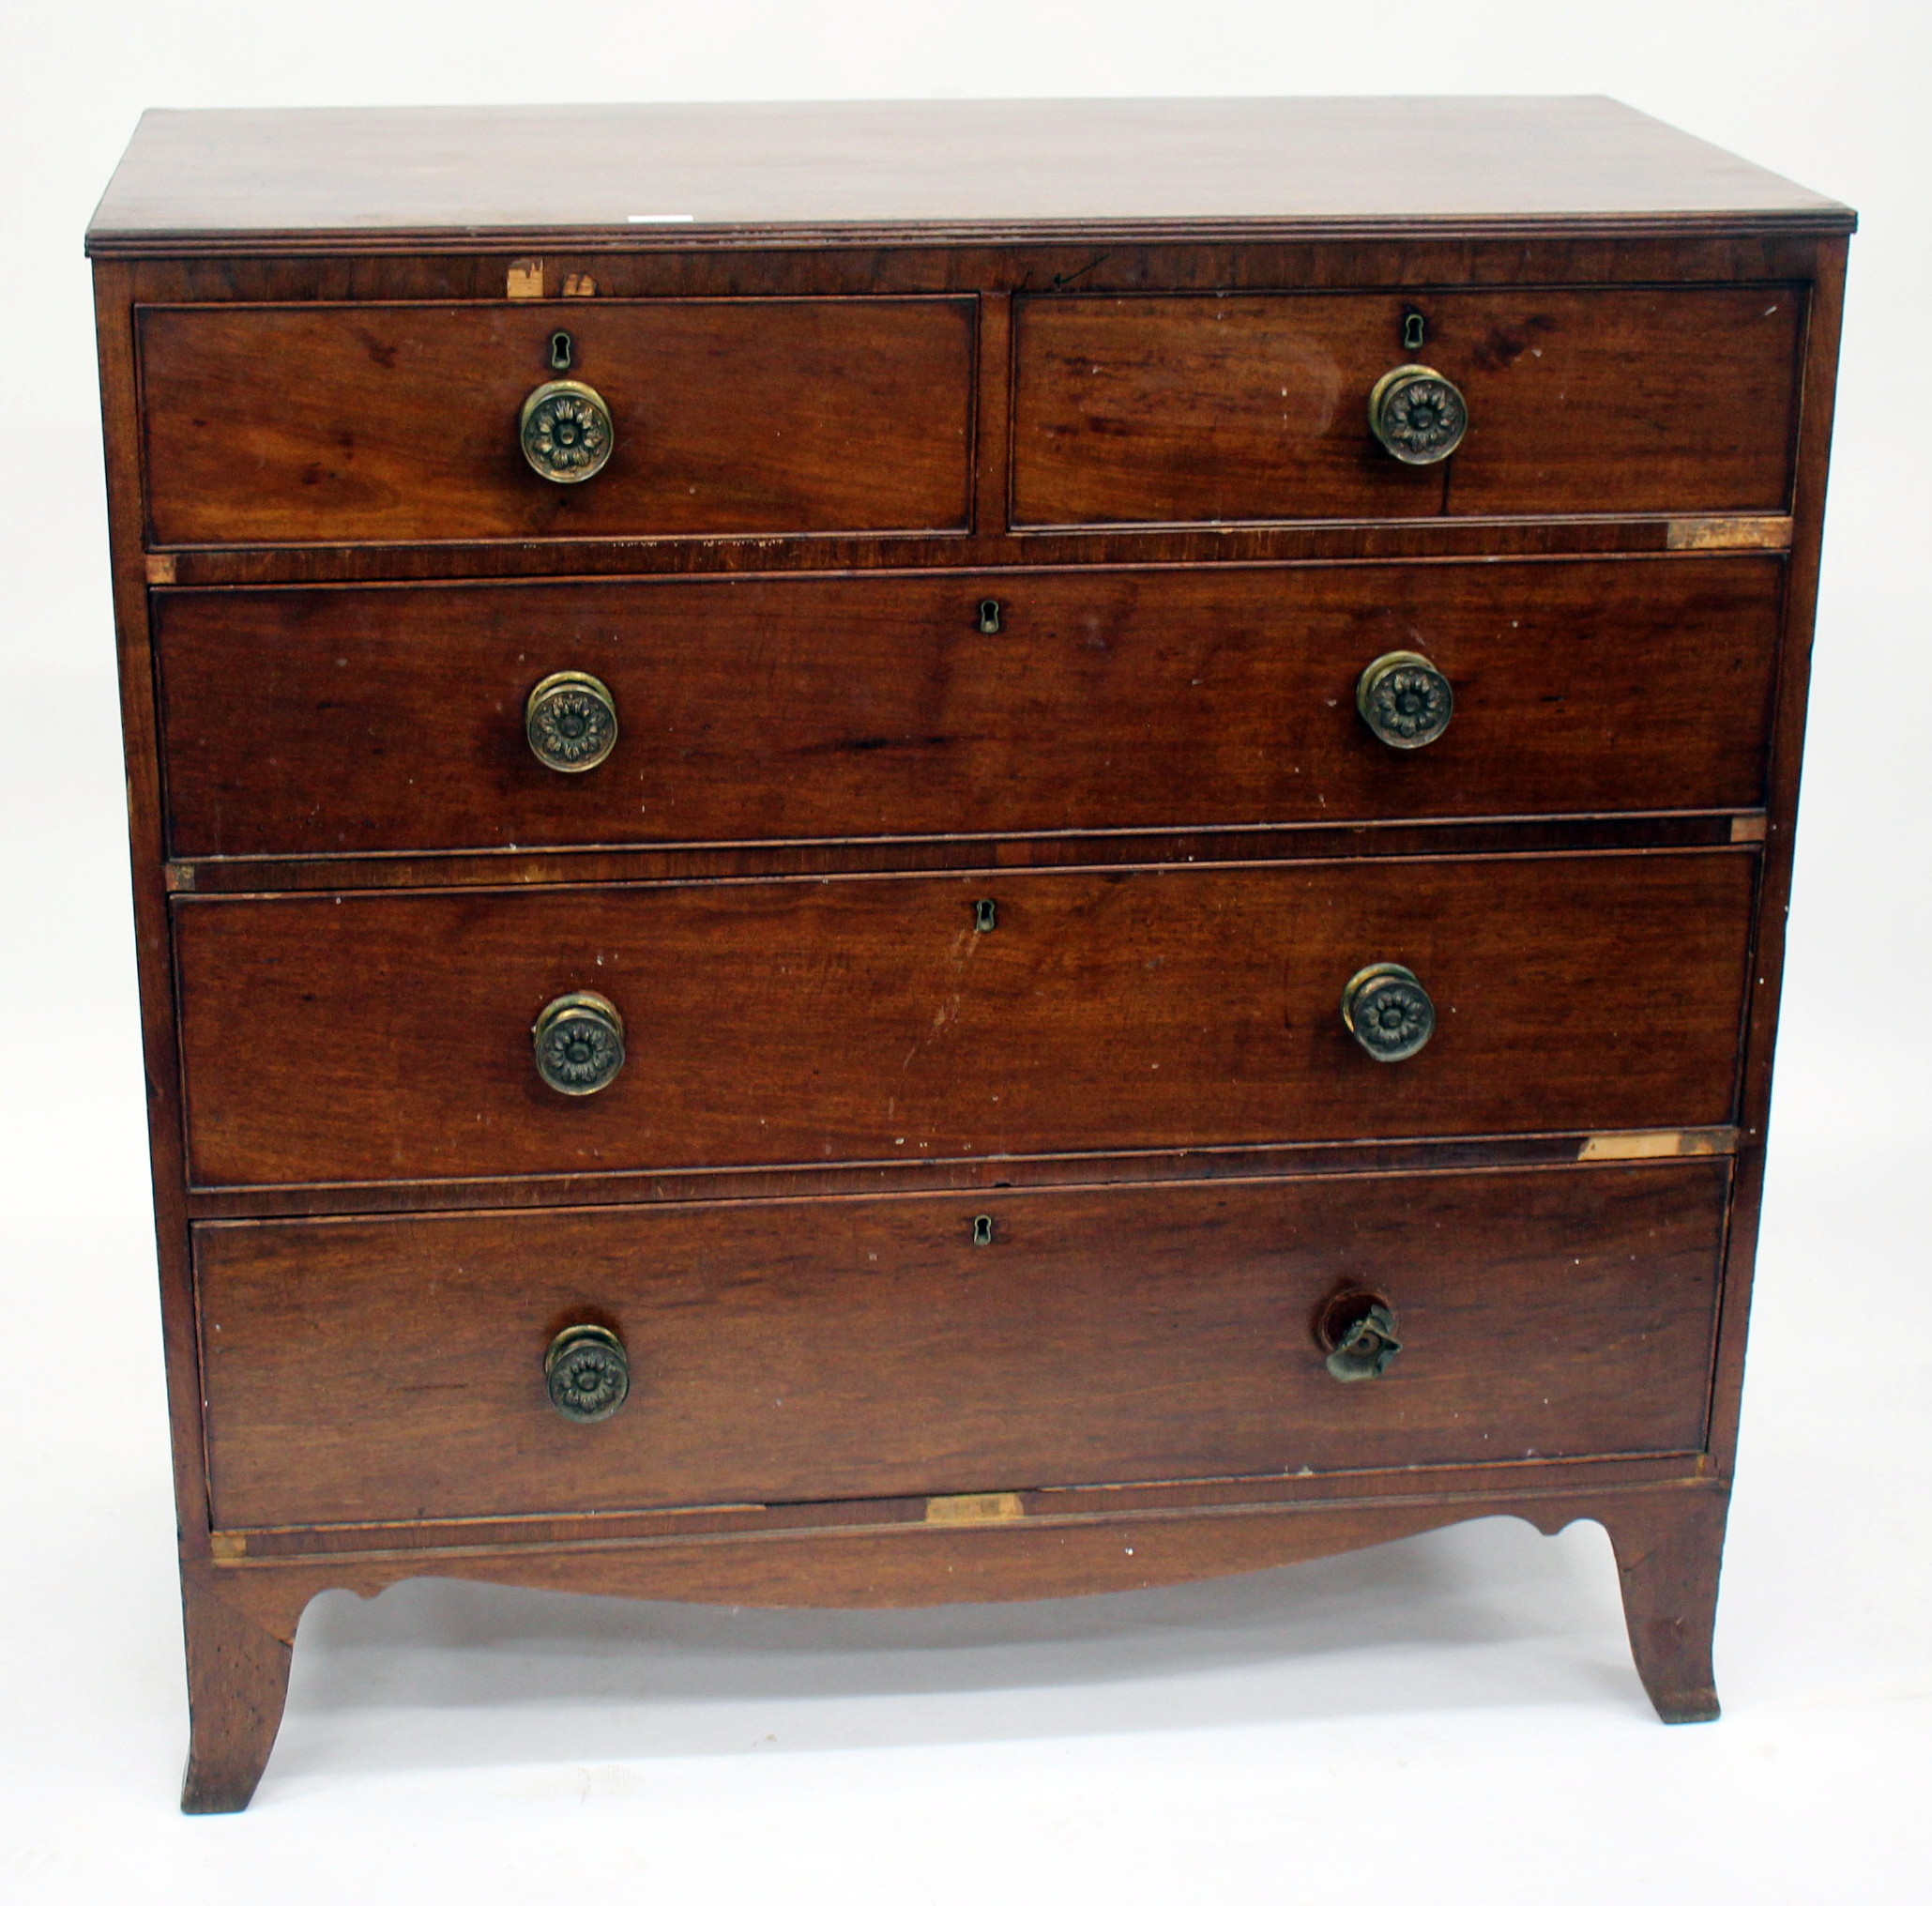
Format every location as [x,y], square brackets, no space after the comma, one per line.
[385,179]
[238,1681]
[1245,407]
[989,271]
[1001,207]
[1668,1552]
[1775,896]
[113,286]
[866,1347]
[1668,1539]
[359,721]
[395,421]
[809,1022]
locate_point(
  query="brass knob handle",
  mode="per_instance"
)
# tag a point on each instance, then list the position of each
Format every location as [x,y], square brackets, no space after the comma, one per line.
[579,1039]
[1390,1014]
[1357,1333]
[570,721]
[1405,698]
[1416,414]
[566,432]
[586,1373]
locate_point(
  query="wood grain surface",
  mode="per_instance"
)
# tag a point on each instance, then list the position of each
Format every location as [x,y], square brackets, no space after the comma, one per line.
[770,416]
[378,721]
[856,1348]
[1244,407]
[242,1621]
[370,1037]
[238,1683]
[377,177]
[1775,888]
[970,347]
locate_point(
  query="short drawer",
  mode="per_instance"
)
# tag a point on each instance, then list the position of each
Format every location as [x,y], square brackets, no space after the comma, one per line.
[853,1348]
[303,722]
[1253,406]
[402,422]
[367,1037]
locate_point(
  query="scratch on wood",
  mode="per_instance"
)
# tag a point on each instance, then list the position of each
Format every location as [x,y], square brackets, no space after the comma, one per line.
[963,946]
[1065,278]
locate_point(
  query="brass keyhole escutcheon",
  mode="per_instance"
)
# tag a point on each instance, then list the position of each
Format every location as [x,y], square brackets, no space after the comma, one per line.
[570,721]
[1406,699]
[586,1373]
[1389,1013]
[579,1043]
[1417,415]
[566,432]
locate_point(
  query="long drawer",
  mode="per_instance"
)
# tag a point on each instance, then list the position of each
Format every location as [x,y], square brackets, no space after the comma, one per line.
[1252,405]
[367,1037]
[325,423]
[340,721]
[869,1347]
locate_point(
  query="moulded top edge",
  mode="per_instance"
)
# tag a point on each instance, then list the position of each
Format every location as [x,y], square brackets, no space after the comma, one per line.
[723,238]
[947,171]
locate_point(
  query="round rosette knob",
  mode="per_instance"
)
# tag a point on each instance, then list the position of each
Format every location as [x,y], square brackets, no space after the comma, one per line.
[566,432]
[1405,698]
[1416,414]
[570,722]
[1388,1011]
[579,1041]
[586,1373]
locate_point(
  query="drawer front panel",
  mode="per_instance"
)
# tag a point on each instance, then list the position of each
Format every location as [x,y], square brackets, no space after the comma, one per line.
[1254,407]
[360,1038]
[399,423]
[371,719]
[867,1347]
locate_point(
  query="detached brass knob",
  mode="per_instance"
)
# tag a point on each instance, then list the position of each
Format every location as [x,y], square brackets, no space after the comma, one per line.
[1357,1330]
[1389,1013]
[586,1373]
[579,1039]
[566,432]
[1416,414]
[570,721]
[1406,699]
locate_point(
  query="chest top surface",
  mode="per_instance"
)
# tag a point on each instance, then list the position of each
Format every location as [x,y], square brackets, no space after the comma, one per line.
[369,178]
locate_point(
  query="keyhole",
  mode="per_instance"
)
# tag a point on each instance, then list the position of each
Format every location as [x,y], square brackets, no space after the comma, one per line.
[989,618]
[1412,330]
[985,916]
[561,350]
[982,1230]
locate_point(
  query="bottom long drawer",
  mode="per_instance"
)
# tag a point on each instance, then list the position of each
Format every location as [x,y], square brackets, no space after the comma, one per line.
[392,1369]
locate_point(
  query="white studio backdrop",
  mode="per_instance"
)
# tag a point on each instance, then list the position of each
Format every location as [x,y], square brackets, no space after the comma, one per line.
[1452,1718]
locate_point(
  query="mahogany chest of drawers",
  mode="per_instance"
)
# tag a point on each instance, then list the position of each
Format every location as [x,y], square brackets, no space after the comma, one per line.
[908,853]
